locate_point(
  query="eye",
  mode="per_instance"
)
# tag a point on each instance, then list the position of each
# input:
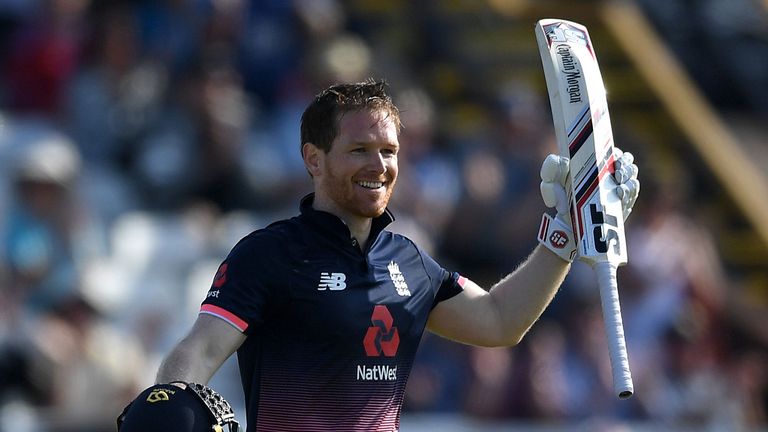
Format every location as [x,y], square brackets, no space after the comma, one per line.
[389,152]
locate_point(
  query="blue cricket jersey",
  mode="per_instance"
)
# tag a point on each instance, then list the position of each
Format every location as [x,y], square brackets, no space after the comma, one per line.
[332,331]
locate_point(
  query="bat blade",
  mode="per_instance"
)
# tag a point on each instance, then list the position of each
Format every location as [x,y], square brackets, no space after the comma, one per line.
[583,129]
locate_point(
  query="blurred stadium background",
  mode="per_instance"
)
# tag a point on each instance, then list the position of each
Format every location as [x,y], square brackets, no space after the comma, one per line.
[140,139]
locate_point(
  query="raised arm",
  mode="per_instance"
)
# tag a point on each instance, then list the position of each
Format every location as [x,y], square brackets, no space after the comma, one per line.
[200,354]
[502,315]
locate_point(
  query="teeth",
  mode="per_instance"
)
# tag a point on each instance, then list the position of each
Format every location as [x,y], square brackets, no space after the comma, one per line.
[370,184]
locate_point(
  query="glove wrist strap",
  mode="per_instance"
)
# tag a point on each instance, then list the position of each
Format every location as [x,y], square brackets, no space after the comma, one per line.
[217,405]
[557,236]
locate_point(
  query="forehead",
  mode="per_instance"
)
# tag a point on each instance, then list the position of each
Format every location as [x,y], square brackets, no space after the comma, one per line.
[367,126]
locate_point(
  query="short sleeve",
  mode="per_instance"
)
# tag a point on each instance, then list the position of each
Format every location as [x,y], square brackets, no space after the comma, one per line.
[445,284]
[450,287]
[245,286]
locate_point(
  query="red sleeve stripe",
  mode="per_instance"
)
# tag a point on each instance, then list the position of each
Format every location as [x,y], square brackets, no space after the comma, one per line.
[225,315]
[462,280]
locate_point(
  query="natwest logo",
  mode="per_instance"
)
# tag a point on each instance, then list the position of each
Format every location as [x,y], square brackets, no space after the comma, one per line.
[382,337]
[221,276]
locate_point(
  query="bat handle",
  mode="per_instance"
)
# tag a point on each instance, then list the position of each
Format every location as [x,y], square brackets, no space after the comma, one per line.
[614,329]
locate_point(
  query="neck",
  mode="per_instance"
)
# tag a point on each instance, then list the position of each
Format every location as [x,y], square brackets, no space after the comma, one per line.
[359,227]
[361,232]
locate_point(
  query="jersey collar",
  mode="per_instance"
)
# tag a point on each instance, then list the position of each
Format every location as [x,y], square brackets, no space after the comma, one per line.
[330,222]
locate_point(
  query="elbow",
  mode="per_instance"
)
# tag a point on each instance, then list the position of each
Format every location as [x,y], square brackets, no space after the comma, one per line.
[511,334]
[513,341]
[509,331]
[510,340]
[499,343]
[504,339]
[516,336]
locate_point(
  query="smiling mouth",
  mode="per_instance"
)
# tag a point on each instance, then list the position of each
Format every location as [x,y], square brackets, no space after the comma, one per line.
[371,184]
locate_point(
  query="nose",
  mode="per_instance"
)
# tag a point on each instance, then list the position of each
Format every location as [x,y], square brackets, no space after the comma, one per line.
[377,162]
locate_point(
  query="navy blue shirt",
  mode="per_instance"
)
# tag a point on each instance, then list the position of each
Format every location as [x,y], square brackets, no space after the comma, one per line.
[332,330]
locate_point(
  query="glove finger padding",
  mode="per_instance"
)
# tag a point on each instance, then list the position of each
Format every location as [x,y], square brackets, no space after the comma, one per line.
[554,169]
[625,167]
[628,194]
[626,176]
[554,196]
[185,408]
[554,172]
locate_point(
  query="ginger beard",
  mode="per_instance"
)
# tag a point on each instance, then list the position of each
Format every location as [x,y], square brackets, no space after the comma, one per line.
[360,170]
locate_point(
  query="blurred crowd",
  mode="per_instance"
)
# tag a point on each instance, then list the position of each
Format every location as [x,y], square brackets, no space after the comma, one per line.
[139,140]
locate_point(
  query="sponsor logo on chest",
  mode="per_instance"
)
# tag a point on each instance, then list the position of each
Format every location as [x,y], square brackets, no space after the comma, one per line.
[376,373]
[381,340]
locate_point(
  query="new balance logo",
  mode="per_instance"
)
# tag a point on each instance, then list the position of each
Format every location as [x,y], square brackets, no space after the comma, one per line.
[332,281]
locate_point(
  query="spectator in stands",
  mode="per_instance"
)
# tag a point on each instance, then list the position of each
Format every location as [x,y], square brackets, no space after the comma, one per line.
[43,54]
[117,93]
[59,352]
[39,240]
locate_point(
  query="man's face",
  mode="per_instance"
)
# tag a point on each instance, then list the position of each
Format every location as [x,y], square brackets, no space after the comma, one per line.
[357,176]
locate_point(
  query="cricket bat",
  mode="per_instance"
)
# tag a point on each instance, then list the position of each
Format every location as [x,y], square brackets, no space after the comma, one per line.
[583,129]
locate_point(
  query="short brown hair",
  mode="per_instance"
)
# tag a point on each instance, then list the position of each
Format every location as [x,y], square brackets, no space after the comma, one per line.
[320,121]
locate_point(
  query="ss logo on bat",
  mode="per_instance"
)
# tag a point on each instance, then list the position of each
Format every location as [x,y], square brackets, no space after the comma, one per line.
[600,219]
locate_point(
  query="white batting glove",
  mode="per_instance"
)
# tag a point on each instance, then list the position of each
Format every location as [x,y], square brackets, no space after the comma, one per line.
[557,233]
[554,173]
[626,177]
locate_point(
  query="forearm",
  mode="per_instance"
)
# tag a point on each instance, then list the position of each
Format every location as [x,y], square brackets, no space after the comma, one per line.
[523,295]
[184,363]
[200,354]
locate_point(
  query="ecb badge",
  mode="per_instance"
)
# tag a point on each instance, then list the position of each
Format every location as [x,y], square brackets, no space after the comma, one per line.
[398,279]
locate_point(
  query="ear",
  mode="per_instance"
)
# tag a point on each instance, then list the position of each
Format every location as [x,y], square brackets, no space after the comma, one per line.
[312,158]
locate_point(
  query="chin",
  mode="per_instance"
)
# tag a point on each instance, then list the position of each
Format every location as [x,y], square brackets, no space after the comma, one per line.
[374,208]
[373,212]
